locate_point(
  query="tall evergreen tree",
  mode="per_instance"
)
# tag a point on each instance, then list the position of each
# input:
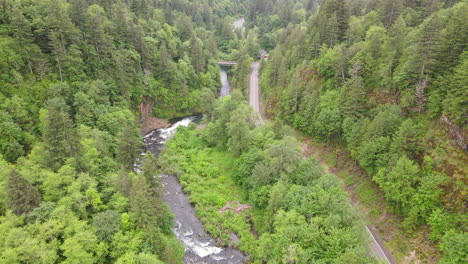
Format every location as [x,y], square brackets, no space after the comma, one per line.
[147,209]
[238,128]
[455,104]
[198,61]
[60,31]
[391,9]
[96,23]
[336,10]
[60,136]
[128,147]
[353,96]
[22,196]
[165,65]
[24,34]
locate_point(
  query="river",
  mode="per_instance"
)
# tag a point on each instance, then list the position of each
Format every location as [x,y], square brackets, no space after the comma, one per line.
[225,85]
[239,23]
[200,247]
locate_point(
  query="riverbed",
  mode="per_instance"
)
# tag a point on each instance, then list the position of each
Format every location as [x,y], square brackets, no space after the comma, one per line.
[200,247]
[225,85]
[239,23]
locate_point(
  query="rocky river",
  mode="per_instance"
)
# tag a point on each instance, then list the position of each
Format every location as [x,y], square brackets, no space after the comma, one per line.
[199,246]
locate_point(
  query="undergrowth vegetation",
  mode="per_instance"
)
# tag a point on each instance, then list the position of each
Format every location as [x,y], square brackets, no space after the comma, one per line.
[301,214]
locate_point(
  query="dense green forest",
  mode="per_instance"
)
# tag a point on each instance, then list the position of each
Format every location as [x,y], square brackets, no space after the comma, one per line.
[388,82]
[105,58]
[302,214]
[384,80]
[77,77]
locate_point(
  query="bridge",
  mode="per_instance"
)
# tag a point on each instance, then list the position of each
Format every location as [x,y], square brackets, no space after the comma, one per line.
[227,63]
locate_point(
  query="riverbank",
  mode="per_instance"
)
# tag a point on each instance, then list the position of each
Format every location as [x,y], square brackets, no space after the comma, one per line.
[206,177]
[287,214]
[152,123]
[200,247]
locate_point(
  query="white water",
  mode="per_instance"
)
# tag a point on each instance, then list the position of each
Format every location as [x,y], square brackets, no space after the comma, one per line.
[239,23]
[185,234]
[202,249]
[166,133]
[226,87]
[199,246]
[159,137]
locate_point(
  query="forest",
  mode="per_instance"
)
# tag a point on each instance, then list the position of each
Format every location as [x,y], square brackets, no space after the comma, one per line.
[301,213]
[385,82]
[77,79]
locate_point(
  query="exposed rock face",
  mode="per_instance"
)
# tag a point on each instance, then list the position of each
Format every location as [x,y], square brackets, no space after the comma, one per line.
[152,123]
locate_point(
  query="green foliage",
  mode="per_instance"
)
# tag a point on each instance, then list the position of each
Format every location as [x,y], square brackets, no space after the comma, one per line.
[385,80]
[10,138]
[76,76]
[238,129]
[41,213]
[106,223]
[60,137]
[303,213]
[453,246]
[440,222]
[128,147]
[207,101]
[399,181]
[454,104]
[328,123]
[23,245]
[22,196]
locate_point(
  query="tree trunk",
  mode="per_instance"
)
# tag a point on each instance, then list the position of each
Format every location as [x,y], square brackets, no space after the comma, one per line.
[60,69]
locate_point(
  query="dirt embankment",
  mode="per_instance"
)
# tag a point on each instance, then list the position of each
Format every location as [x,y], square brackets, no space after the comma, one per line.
[151,123]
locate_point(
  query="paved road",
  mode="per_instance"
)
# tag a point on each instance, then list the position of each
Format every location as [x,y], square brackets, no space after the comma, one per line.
[376,245]
[254,91]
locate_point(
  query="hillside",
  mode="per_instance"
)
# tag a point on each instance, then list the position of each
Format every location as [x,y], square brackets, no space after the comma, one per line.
[113,129]
[77,79]
[386,81]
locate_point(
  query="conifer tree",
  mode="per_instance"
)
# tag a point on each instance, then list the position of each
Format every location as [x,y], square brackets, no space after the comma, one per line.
[149,171]
[60,31]
[22,196]
[238,128]
[60,136]
[391,9]
[128,147]
[147,209]
[353,96]
[197,55]
[24,34]
[455,104]
[96,22]
[165,65]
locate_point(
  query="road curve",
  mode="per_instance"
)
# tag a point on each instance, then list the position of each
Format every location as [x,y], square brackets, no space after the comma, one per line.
[376,244]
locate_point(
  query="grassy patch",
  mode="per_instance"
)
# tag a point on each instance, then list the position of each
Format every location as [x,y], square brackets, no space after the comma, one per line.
[369,195]
[399,247]
[348,179]
[366,194]
[205,174]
